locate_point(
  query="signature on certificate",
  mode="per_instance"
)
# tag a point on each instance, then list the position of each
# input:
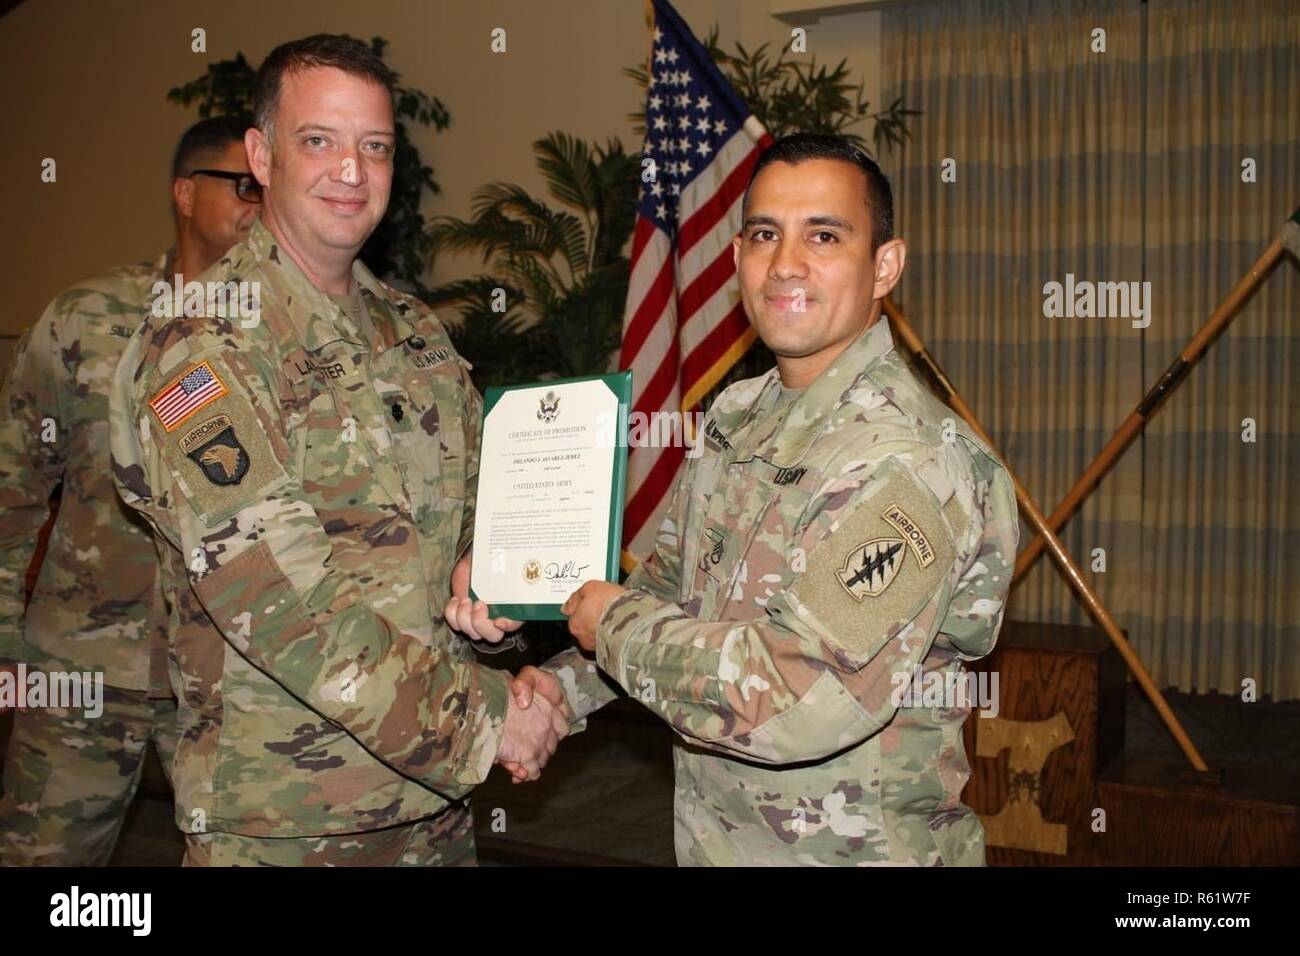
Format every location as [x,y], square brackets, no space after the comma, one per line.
[568,571]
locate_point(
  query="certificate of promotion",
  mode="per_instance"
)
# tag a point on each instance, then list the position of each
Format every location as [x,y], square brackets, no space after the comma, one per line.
[549,509]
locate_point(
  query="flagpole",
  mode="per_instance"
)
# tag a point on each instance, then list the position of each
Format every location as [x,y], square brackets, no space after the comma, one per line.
[1070,570]
[1200,343]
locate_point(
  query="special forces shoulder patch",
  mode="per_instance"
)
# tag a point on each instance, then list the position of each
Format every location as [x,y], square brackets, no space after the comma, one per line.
[214,447]
[872,566]
[883,562]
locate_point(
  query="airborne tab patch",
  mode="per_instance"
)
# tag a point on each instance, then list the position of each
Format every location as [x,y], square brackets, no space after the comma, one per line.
[912,533]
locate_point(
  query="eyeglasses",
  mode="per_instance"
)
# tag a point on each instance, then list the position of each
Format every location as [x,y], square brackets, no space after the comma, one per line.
[247,187]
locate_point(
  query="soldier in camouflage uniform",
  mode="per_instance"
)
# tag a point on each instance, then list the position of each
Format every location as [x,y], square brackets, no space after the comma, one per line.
[307,466]
[68,779]
[838,531]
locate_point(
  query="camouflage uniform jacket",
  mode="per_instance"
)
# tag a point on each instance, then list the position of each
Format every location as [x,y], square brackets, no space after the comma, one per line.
[95,606]
[309,479]
[810,562]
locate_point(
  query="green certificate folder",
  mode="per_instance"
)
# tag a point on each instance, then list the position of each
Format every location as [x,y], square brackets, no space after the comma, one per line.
[549,506]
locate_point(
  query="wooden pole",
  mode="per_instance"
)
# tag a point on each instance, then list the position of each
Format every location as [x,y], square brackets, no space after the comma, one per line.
[1035,517]
[1151,402]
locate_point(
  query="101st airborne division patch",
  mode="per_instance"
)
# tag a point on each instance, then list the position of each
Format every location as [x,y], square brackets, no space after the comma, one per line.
[215,449]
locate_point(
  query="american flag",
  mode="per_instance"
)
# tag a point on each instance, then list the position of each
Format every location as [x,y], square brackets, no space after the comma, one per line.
[683,325]
[187,395]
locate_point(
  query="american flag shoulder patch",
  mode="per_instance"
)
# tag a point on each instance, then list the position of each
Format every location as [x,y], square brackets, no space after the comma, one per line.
[194,388]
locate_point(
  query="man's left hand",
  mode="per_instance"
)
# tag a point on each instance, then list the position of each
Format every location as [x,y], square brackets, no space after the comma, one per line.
[585,607]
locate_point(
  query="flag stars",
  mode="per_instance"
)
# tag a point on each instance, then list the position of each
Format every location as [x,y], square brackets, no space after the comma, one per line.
[683,133]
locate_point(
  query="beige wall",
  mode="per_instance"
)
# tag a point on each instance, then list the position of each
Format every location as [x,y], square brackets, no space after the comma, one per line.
[84,82]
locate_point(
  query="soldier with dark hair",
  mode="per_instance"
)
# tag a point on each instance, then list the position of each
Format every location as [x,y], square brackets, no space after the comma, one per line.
[840,533]
[69,778]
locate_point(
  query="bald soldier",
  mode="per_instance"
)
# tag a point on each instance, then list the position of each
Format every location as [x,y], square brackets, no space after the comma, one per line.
[840,530]
[307,462]
[69,777]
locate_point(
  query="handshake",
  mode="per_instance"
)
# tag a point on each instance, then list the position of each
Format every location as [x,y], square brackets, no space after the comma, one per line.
[538,715]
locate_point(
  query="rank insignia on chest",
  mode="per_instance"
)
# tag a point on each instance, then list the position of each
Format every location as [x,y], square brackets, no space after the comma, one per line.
[871,567]
[215,449]
[714,555]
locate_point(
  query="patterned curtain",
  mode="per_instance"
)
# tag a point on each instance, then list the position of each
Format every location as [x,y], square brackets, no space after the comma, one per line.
[1102,141]
[1220,595]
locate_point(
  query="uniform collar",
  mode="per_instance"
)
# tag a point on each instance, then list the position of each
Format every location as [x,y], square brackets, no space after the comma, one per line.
[312,312]
[807,416]
[159,274]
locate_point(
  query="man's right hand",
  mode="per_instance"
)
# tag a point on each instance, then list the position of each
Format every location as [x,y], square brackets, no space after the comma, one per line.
[531,735]
[529,681]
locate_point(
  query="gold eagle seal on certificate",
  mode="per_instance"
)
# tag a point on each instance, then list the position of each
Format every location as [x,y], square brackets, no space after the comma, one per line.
[549,408]
[532,571]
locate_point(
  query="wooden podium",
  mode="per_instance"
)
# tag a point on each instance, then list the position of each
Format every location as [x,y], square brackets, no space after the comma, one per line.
[1035,766]
[1053,787]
